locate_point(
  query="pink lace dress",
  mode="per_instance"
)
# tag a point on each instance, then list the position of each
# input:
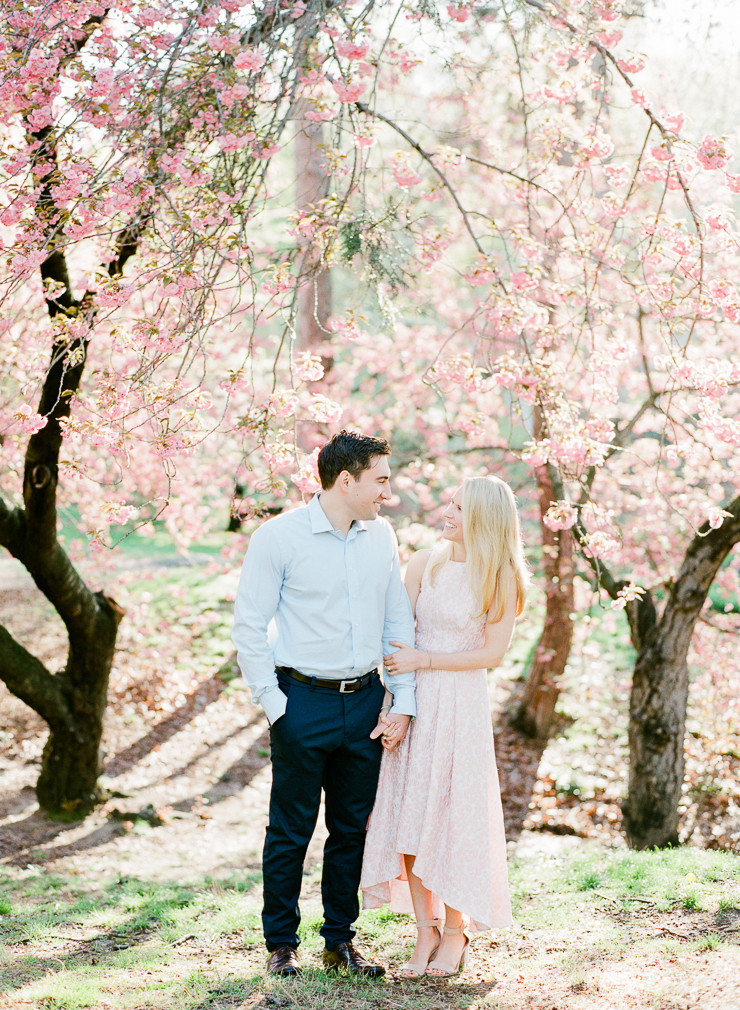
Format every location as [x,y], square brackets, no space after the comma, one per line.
[438,794]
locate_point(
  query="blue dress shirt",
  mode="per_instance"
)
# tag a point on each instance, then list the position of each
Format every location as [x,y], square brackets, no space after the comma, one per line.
[337,602]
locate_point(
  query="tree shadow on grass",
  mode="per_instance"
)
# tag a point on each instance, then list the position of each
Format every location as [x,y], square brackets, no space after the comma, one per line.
[17,802]
[236,777]
[39,925]
[37,828]
[193,705]
[31,929]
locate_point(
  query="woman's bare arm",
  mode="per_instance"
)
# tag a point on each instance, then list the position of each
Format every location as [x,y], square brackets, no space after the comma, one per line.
[488,656]
[414,573]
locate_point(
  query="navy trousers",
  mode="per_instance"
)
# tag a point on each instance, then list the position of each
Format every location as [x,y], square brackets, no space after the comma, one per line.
[322,741]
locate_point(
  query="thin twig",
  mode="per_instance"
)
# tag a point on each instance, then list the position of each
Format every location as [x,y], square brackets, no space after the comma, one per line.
[428,158]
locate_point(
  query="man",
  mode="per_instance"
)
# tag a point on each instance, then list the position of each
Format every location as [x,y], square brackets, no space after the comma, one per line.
[329,575]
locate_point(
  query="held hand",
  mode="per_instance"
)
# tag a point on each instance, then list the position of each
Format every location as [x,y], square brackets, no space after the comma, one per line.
[405,660]
[395,730]
[391,729]
[381,727]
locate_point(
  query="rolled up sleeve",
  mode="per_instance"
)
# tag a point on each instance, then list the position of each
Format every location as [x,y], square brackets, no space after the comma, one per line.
[257,598]
[398,626]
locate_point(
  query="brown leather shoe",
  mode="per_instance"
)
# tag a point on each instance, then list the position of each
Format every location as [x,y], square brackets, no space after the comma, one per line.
[284,961]
[346,956]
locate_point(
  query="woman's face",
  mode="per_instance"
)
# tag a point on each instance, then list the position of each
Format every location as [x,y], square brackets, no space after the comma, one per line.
[453,520]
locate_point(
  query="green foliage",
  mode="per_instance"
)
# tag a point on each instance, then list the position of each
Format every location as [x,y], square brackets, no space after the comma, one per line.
[665,877]
[351,239]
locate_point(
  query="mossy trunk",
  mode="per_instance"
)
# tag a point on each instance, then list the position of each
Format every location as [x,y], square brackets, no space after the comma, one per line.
[657,729]
[660,686]
[71,761]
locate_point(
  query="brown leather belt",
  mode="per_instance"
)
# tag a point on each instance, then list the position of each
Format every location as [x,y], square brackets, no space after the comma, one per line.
[343,686]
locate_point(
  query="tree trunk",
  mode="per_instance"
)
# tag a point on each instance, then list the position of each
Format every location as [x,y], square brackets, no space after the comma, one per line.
[660,687]
[536,713]
[656,737]
[71,763]
[314,294]
[72,702]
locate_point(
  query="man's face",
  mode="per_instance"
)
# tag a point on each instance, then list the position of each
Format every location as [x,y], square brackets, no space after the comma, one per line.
[367,494]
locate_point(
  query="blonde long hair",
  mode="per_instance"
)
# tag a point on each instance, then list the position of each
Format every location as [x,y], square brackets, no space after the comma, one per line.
[493,545]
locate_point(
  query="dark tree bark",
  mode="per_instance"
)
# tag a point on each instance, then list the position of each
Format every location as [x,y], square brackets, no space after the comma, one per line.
[657,723]
[536,713]
[72,701]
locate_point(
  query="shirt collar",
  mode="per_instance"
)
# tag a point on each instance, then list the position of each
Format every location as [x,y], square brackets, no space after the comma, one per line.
[320,522]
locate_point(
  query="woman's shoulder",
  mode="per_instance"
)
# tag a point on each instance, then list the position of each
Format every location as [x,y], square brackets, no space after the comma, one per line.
[418,561]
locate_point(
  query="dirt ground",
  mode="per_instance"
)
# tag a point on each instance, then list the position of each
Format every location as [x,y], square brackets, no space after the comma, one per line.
[201,774]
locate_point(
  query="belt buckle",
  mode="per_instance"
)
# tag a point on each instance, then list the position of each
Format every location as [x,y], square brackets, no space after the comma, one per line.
[342,683]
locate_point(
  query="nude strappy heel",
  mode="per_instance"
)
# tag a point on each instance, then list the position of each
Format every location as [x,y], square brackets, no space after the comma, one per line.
[415,969]
[440,970]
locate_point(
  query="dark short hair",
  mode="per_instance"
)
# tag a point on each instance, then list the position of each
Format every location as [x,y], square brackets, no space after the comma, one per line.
[351,451]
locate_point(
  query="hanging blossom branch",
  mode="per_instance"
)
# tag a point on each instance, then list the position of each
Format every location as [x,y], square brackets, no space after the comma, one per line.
[429,158]
[665,133]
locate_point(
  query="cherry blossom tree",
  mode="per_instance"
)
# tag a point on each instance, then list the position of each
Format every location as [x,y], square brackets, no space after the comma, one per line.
[130,132]
[533,262]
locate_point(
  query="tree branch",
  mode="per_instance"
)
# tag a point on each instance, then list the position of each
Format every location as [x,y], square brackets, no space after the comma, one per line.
[428,158]
[12,528]
[654,121]
[29,680]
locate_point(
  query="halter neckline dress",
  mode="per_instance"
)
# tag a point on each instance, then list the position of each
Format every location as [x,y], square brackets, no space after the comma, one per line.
[438,795]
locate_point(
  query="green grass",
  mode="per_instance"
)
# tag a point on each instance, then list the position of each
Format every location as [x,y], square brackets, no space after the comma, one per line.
[666,878]
[132,944]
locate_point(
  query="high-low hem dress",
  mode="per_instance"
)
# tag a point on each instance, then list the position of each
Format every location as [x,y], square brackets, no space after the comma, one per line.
[438,795]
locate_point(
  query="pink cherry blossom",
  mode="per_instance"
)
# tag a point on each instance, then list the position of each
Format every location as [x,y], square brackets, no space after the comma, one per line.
[118,513]
[716,516]
[279,455]
[713,153]
[307,478]
[29,420]
[280,280]
[609,39]
[662,153]
[250,59]
[232,142]
[627,595]
[631,64]
[308,367]
[560,516]
[523,281]
[352,50]
[348,92]
[602,545]
[224,43]
[673,121]
[460,14]
[617,176]
[283,403]
[536,453]
[324,410]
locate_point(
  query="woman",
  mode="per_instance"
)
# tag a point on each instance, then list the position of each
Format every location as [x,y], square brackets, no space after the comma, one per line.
[436,833]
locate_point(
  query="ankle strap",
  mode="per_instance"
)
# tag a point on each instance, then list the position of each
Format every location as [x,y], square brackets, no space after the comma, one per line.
[453,930]
[428,922]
